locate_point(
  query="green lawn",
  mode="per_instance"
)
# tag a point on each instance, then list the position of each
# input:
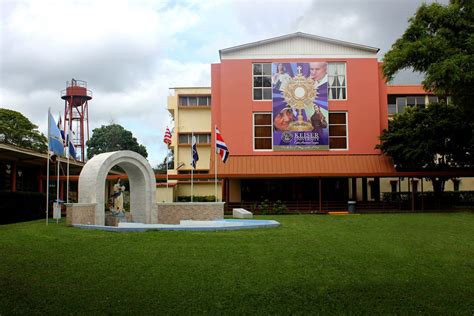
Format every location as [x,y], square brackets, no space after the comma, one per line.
[377,264]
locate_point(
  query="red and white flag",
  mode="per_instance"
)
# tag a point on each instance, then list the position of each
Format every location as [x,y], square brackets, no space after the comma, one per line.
[221,147]
[167,138]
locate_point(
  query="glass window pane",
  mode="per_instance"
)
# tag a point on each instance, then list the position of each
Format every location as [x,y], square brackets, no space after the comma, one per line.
[401,102]
[343,93]
[337,130]
[411,101]
[257,94]
[257,81]
[267,69]
[267,94]
[263,143]
[337,143]
[263,131]
[183,100]
[420,100]
[209,100]
[183,138]
[392,108]
[337,118]
[432,99]
[267,81]
[192,101]
[263,119]
[202,101]
[257,69]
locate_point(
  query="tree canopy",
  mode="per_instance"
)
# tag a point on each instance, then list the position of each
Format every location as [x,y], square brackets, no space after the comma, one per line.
[439,42]
[112,138]
[16,129]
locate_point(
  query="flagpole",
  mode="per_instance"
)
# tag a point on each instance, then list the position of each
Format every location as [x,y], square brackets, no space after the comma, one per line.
[47,170]
[215,161]
[192,167]
[166,161]
[67,175]
[57,187]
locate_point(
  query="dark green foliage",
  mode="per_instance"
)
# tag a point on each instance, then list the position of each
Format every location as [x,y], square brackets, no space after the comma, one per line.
[16,129]
[197,198]
[438,137]
[279,207]
[439,42]
[402,264]
[112,138]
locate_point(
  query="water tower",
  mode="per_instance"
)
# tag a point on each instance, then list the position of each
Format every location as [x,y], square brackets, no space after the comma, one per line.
[76,114]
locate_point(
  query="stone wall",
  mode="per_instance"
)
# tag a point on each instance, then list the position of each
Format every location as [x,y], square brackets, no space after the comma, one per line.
[173,213]
[80,213]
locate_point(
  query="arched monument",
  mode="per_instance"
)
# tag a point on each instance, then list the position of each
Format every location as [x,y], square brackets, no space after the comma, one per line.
[141,179]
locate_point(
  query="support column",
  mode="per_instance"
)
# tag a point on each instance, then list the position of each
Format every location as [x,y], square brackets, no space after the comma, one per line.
[13,177]
[364,189]
[354,189]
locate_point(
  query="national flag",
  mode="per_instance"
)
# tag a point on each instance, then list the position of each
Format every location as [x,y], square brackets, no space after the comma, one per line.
[167,138]
[194,153]
[55,141]
[63,136]
[71,148]
[221,147]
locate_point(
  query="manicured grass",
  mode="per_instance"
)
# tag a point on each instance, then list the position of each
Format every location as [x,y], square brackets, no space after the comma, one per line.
[377,264]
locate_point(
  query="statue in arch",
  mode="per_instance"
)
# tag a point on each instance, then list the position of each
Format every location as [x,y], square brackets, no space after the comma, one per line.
[117,198]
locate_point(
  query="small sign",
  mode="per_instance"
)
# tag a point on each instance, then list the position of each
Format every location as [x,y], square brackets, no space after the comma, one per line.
[56,211]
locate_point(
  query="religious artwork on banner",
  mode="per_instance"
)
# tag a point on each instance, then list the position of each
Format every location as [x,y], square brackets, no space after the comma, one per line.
[300,106]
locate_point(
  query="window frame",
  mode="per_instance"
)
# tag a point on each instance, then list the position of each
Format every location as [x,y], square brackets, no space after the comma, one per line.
[347,130]
[190,140]
[345,80]
[271,131]
[262,88]
[208,101]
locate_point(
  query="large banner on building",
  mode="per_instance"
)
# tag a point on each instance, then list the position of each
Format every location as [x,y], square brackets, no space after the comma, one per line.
[300,106]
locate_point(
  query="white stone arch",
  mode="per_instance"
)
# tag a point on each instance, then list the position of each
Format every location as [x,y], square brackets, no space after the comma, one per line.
[140,176]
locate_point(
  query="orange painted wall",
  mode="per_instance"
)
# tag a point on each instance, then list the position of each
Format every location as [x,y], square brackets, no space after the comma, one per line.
[233,107]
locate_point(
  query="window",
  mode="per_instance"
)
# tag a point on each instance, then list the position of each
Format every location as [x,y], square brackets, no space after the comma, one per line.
[432,99]
[337,131]
[262,131]
[195,100]
[262,81]
[397,104]
[337,81]
[186,138]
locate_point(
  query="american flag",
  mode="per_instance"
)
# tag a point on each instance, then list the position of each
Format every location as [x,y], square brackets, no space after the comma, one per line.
[221,147]
[167,138]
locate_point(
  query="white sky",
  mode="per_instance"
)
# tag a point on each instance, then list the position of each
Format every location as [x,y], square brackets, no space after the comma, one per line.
[131,52]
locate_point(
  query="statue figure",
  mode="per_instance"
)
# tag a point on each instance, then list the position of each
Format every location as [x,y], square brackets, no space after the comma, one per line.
[117,197]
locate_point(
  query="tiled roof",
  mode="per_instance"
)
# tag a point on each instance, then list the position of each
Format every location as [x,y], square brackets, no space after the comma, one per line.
[307,166]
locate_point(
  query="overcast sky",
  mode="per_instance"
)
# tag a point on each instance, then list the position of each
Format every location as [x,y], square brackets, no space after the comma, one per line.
[131,52]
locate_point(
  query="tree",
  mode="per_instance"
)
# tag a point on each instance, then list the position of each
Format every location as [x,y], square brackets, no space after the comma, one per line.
[439,42]
[112,138]
[16,129]
[161,168]
[432,138]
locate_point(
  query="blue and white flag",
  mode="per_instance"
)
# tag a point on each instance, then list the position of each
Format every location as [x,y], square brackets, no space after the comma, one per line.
[55,140]
[71,149]
[194,153]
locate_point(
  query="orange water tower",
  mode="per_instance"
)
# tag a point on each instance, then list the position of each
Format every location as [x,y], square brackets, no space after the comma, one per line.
[76,98]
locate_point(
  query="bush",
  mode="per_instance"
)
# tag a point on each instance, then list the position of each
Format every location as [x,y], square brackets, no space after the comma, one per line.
[197,198]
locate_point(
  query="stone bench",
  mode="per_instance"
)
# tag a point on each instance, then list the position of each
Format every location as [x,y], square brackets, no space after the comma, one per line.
[241,213]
